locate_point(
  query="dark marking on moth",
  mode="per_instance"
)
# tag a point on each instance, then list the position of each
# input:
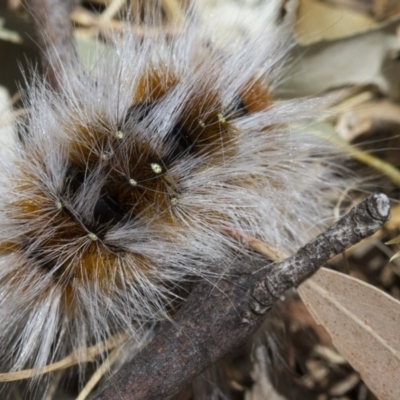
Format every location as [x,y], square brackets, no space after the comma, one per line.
[74,178]
[107,211]
[138,112]
[37,255]
[180,142]
[238,108]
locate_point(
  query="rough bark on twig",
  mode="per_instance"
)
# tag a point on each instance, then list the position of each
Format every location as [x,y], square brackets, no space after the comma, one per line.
[217,318]
[54,35]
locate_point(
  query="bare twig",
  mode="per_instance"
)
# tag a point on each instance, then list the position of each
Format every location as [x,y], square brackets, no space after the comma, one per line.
[54,35]
[217,318]
[357,153]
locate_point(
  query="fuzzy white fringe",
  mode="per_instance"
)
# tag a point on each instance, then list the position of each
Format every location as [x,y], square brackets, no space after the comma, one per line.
[266,180]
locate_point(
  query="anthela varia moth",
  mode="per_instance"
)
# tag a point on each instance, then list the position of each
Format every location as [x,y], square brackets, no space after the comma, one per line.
[123,185]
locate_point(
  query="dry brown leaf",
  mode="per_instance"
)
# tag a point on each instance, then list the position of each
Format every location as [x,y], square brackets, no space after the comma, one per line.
[365,117]
[358,60]
[379,9]
[364,323]
[318,21]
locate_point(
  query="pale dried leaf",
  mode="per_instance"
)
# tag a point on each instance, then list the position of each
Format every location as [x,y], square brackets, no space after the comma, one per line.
[319,21]
[229,19]
[379,9]
[364,324]
[394,241]
[9,35]
[358,60]
[361,119]
[394,256]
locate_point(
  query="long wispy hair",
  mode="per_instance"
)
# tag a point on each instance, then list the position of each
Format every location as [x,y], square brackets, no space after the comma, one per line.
[126,183]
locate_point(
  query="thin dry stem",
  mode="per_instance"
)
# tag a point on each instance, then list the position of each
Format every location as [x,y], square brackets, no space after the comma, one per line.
[95,378]
[73,359]
[385,168]
[112,10]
